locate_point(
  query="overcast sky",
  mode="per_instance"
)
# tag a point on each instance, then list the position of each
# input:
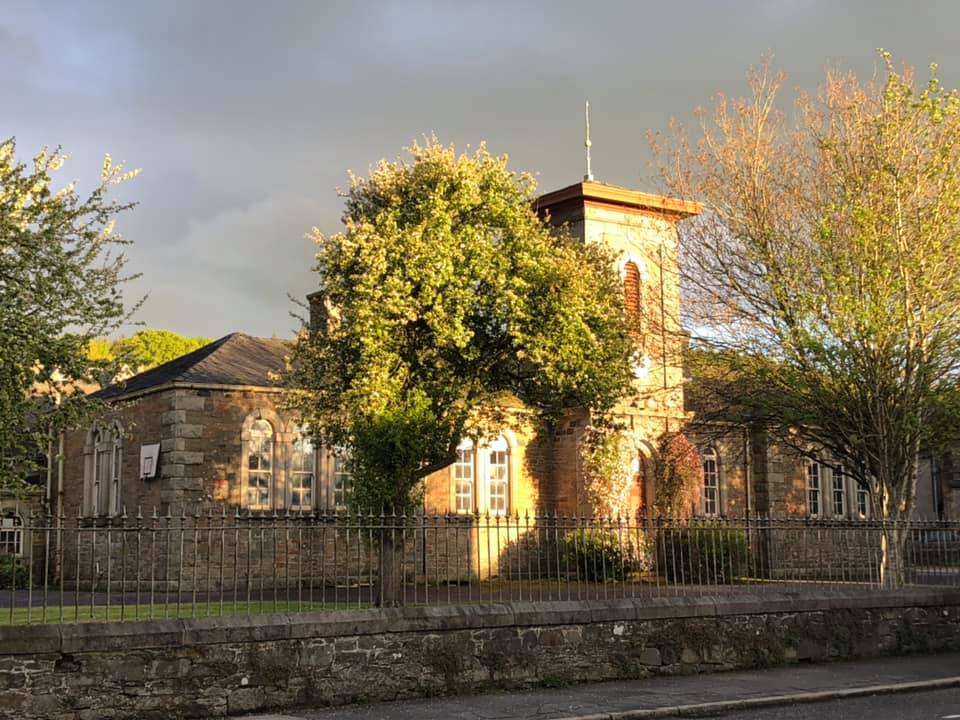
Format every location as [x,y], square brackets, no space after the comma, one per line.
[245,116]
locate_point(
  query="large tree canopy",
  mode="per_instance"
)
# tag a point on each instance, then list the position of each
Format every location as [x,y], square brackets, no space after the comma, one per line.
[824,267]
[60,286]
[445,300]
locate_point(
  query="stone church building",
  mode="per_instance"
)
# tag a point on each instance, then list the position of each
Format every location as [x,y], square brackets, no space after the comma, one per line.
[209,430]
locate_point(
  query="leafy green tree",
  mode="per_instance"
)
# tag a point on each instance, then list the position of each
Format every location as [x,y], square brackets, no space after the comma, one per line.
[823,273]
[444,302]
[606,466]
[61,276]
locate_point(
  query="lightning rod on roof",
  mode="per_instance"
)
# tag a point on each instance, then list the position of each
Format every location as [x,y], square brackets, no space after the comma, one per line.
[586,143]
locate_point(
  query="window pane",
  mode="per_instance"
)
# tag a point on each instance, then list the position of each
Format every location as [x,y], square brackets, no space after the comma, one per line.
[260,465]
[863,505]
[303,469]
[498,477]
[813,488]
[115,481]
[342,479]
[11,535]
[102,481]
[463,478]
[711,483]
[839,493]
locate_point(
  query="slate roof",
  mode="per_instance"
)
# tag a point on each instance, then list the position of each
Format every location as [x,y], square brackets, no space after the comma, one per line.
[235,359]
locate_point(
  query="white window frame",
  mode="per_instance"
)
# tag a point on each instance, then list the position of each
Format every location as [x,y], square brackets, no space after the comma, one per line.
[491,495]
[501,447]
[302,447]
[838,493]
[464,473]
[710,457]
[269,475]
[11,534]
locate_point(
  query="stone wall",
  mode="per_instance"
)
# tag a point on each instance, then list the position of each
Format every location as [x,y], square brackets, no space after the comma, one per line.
[205,668]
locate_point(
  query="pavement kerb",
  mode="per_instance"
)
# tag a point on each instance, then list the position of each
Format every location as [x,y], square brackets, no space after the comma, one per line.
[719,706]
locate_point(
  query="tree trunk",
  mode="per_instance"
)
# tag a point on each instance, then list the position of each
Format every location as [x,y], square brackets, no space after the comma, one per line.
[893,541]
[391,565]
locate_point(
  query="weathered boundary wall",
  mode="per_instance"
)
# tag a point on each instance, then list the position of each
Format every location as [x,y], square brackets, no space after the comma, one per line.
[211,667]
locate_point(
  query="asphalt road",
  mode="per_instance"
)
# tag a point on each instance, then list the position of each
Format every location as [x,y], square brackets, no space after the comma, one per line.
[930,705]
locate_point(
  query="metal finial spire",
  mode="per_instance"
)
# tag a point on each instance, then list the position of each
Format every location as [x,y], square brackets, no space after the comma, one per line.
[586,143]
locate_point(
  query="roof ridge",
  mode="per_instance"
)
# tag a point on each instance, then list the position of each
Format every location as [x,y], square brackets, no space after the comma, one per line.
[235,358]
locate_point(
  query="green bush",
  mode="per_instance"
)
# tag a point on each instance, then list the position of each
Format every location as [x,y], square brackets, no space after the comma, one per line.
[13,573]
[705,553]
[598,555]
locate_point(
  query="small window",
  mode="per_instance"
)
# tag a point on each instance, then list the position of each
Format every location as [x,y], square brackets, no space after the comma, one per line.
[342,478]
[813,488]
[303,470]
[839,492]
[463,477]
[498,477]
[259,466]
[711,483]
[11,534]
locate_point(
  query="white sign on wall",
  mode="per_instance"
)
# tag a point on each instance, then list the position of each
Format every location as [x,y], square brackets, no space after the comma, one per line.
[149,459]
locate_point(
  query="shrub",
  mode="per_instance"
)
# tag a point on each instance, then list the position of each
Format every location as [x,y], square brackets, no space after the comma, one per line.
[598,555]
[678,475]
[13,573]
[705,553]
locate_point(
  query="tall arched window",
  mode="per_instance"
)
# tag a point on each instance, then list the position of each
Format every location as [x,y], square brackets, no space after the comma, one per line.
[303,465]
[463,478]
[497,476]
[259,458]
[711,483]
[103,470]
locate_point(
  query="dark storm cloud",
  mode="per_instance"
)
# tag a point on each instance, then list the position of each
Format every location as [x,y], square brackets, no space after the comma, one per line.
[245,116]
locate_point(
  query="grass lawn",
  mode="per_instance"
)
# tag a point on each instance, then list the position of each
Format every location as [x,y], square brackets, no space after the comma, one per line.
[157,611]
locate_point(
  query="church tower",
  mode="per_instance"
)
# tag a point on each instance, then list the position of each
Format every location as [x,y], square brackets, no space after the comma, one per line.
[641,230]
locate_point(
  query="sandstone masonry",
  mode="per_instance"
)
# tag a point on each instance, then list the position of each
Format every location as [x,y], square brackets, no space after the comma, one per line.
[212,667]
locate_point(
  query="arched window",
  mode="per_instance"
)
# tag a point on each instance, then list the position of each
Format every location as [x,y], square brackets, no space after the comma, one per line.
[813,488]
[303,465]
[259,460]
[102,480]
[11,534]
[464,477]
[711,483]
[342,478]
[497,476]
